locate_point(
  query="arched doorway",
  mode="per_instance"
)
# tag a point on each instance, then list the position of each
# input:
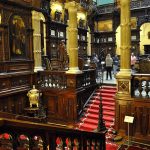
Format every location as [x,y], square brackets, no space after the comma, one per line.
[144,38]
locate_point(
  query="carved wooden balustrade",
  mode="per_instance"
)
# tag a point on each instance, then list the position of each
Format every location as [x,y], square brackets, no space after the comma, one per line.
[65,95]
[138,107]
[23,135]
[141,86]
[58,79]
[52,79]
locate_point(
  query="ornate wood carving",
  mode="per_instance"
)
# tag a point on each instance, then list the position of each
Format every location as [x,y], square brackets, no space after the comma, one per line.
[123,86]
[140,110]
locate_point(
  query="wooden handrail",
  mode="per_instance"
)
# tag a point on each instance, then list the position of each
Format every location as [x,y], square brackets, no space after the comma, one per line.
[50,134]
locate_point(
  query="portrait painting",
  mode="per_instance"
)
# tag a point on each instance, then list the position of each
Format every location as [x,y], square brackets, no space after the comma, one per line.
[17,37]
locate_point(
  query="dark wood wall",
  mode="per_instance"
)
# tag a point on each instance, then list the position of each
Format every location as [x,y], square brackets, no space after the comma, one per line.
[16,54]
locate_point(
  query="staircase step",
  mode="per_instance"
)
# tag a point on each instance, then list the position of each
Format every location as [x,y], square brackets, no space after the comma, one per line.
[96,112]
[90,121]
[108,103]
[108,108]
[111,113]
[95,121]
[92,105]
[97,102]
[95,97]
[108,118]
[107,95]
[88,127]
[92,127]
[107,91]
[109,124]
[93,116]
[108,98]
[93,111]
[109,87]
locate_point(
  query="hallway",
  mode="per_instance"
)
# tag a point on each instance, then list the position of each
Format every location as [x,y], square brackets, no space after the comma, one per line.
[102,78]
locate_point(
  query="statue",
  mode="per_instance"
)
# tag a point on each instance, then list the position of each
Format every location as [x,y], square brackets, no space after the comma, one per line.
[63,56]
[34,96]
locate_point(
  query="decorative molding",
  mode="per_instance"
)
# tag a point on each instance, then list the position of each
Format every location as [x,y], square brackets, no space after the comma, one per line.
[123,86]
[143,19]
[140,4]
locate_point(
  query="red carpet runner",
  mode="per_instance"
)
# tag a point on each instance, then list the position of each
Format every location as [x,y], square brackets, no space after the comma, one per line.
[89,121]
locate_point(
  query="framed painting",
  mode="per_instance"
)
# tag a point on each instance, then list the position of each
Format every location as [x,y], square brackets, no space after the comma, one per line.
[17,37]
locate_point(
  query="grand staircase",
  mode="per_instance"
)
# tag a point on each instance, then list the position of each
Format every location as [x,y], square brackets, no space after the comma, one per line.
[90,116]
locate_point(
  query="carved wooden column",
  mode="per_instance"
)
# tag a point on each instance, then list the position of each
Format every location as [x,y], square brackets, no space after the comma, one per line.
[73,38]
[124,102]
[36,17]
[124,76]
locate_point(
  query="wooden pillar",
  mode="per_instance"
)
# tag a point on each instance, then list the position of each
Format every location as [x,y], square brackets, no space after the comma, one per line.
[73,38]
[124,76]
[36,17]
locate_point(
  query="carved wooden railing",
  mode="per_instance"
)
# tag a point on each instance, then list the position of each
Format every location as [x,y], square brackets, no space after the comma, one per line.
[52,79]
[141,85]
[58,79]
[23,135]
[138,107]
[70,90]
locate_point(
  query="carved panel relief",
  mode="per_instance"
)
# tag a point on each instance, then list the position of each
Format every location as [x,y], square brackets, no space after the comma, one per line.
[123,86]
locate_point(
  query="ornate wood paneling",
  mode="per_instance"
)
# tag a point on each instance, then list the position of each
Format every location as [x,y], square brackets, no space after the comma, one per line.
[61,105]
[16,38]
[140,110]
[16,56]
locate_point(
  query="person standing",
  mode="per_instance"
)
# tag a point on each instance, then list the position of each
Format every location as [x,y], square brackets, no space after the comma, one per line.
[109,65]
[133,60]
[96,61]
[115,64]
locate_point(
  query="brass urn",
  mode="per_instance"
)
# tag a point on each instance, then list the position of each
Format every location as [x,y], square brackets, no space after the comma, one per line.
[34,96]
